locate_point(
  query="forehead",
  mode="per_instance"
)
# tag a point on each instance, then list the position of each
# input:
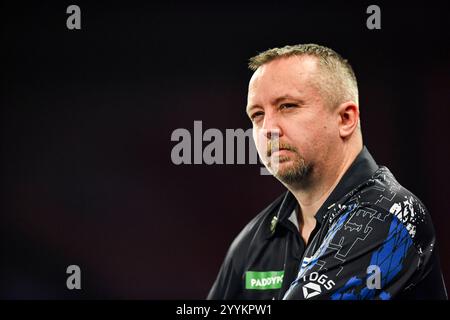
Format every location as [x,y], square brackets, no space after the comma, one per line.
[283,75]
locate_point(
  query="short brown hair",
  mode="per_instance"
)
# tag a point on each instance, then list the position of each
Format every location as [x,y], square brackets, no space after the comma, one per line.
[338,82]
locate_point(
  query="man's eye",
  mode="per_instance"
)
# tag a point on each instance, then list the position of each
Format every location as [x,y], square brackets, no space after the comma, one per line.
[256,115]
[287,105]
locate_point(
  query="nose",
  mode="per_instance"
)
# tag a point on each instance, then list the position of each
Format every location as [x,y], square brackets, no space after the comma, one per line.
[271,127]
[272,134]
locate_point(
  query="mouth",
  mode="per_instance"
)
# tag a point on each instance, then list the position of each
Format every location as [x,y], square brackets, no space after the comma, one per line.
[279,152]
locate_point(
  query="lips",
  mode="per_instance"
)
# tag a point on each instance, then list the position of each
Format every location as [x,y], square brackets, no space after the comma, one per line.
[280,151]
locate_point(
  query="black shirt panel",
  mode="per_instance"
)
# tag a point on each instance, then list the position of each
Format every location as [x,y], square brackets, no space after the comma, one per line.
[373,240]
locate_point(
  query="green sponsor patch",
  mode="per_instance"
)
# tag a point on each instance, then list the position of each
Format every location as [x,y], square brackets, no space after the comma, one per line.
[256,280]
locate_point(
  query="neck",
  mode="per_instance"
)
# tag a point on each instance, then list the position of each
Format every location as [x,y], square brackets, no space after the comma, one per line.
[311,196]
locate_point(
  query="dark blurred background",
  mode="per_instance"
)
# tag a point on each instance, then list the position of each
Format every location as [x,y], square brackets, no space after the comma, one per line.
[87,118]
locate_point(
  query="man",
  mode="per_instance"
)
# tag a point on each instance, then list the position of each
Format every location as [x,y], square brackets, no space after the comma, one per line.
[345,229]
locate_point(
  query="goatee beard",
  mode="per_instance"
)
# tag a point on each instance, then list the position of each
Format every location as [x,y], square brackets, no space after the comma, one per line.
[295,174]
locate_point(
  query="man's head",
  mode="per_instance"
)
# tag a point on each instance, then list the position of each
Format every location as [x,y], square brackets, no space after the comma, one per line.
[306,95]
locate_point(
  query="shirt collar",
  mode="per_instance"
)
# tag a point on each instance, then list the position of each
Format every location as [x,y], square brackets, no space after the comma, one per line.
[362,168]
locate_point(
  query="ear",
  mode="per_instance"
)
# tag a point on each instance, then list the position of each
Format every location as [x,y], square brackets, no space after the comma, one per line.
[348,113]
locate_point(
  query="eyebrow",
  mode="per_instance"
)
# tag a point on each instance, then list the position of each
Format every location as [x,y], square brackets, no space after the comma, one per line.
[285,97]
[276,101]
[248,109]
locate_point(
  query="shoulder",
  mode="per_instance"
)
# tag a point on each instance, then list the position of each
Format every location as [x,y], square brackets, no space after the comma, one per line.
[384,198]
[254,231]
